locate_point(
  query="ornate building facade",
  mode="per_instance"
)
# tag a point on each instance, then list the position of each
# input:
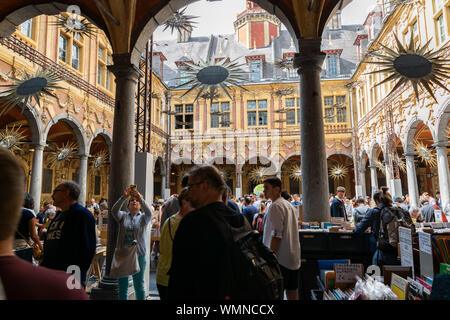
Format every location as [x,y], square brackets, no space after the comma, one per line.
[403,139]
[252,133]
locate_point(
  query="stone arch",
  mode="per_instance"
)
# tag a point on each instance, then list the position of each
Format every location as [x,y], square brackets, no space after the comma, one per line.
[373,151]
[275,165]
[442,122]
[363,158]
[20,14]
[185,160]
[408,143]
[77,128]
[144,33]
[346,153]
[228,160]
[161,163]
[292,154]
[36,126]
[106,134]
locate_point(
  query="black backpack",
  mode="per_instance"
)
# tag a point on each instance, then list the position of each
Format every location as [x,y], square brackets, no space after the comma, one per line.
[391,218]
[256,273]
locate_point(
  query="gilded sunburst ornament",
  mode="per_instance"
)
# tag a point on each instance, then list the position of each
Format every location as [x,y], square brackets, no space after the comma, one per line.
[62,154]
[419,66]
[99,159]
[10,138]
[258,174]
[400,163]
[180,21]
[296,172]
[31,86]
[338,172]
[211,75]
[75,25]
[380,166]
[425,154]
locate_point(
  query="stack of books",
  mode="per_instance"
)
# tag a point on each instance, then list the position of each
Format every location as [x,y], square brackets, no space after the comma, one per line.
[337,294]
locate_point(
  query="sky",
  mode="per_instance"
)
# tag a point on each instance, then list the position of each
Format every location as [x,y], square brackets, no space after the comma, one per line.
[217,17]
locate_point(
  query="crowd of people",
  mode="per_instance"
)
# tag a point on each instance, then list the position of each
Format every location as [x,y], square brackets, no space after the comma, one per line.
[353,210]
[191,233]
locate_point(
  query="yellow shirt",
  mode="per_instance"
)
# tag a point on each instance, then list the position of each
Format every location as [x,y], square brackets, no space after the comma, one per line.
[165,249]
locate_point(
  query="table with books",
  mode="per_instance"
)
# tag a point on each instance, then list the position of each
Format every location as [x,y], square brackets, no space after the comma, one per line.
[334,266]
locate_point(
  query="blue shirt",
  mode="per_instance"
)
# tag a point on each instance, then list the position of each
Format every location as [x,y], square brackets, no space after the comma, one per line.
[249,212]
[296,203]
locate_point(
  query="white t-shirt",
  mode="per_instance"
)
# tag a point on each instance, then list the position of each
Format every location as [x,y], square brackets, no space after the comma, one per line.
[281,222]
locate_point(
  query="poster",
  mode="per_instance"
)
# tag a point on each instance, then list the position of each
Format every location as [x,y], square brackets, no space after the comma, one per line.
[406,248]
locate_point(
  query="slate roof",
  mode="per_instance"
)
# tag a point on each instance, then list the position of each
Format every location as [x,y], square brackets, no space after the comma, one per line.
[228,46]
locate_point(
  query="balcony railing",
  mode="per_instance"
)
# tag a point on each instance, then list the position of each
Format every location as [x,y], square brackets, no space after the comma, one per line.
[15,44]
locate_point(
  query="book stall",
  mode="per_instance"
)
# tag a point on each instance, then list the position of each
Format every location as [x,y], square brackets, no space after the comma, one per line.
[337,264]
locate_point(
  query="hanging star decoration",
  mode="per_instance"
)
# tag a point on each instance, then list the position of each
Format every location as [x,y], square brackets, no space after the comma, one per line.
[338,172]
[10,138]
[257,174]
[224,171]
[32,86]
[425,154]
[74,25]
[62,154]
[99,159]
[417,66]
[208,76]
[380,166]
[284,64]
[295,172]
[180,21]
[400,162]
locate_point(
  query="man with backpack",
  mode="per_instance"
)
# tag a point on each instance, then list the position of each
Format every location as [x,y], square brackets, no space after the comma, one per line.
[384,221]
[281,235]
[209,249]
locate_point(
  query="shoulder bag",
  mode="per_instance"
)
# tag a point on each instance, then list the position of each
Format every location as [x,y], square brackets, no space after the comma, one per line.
[125,260]
[37,253]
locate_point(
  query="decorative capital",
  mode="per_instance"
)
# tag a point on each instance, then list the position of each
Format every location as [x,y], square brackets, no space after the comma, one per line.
[309,56]
[123,67]
[440,144]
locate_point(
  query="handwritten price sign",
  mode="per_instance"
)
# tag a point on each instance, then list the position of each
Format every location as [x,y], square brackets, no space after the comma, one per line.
[346,273]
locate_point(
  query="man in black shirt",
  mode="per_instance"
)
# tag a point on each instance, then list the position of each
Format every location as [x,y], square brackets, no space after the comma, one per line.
[71,238]
[203,241]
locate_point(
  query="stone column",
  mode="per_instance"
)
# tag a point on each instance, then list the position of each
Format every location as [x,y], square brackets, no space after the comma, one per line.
[36,176]
[443,173]
[278,174]
[122,153]
[362,181]
[373,179]
[314,161]
[163,185]
[82,177]
[388,177]
[412,179]
[238,183]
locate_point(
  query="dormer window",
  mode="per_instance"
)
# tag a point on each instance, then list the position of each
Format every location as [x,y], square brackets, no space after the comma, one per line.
[256,66]
[332,65]
[333,68]
[182,71]
[255,70]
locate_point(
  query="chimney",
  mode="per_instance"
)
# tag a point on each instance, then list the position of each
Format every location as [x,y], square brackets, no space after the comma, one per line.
[184,35]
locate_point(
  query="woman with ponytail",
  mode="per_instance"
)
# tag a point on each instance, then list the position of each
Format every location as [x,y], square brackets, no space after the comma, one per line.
[371,221]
